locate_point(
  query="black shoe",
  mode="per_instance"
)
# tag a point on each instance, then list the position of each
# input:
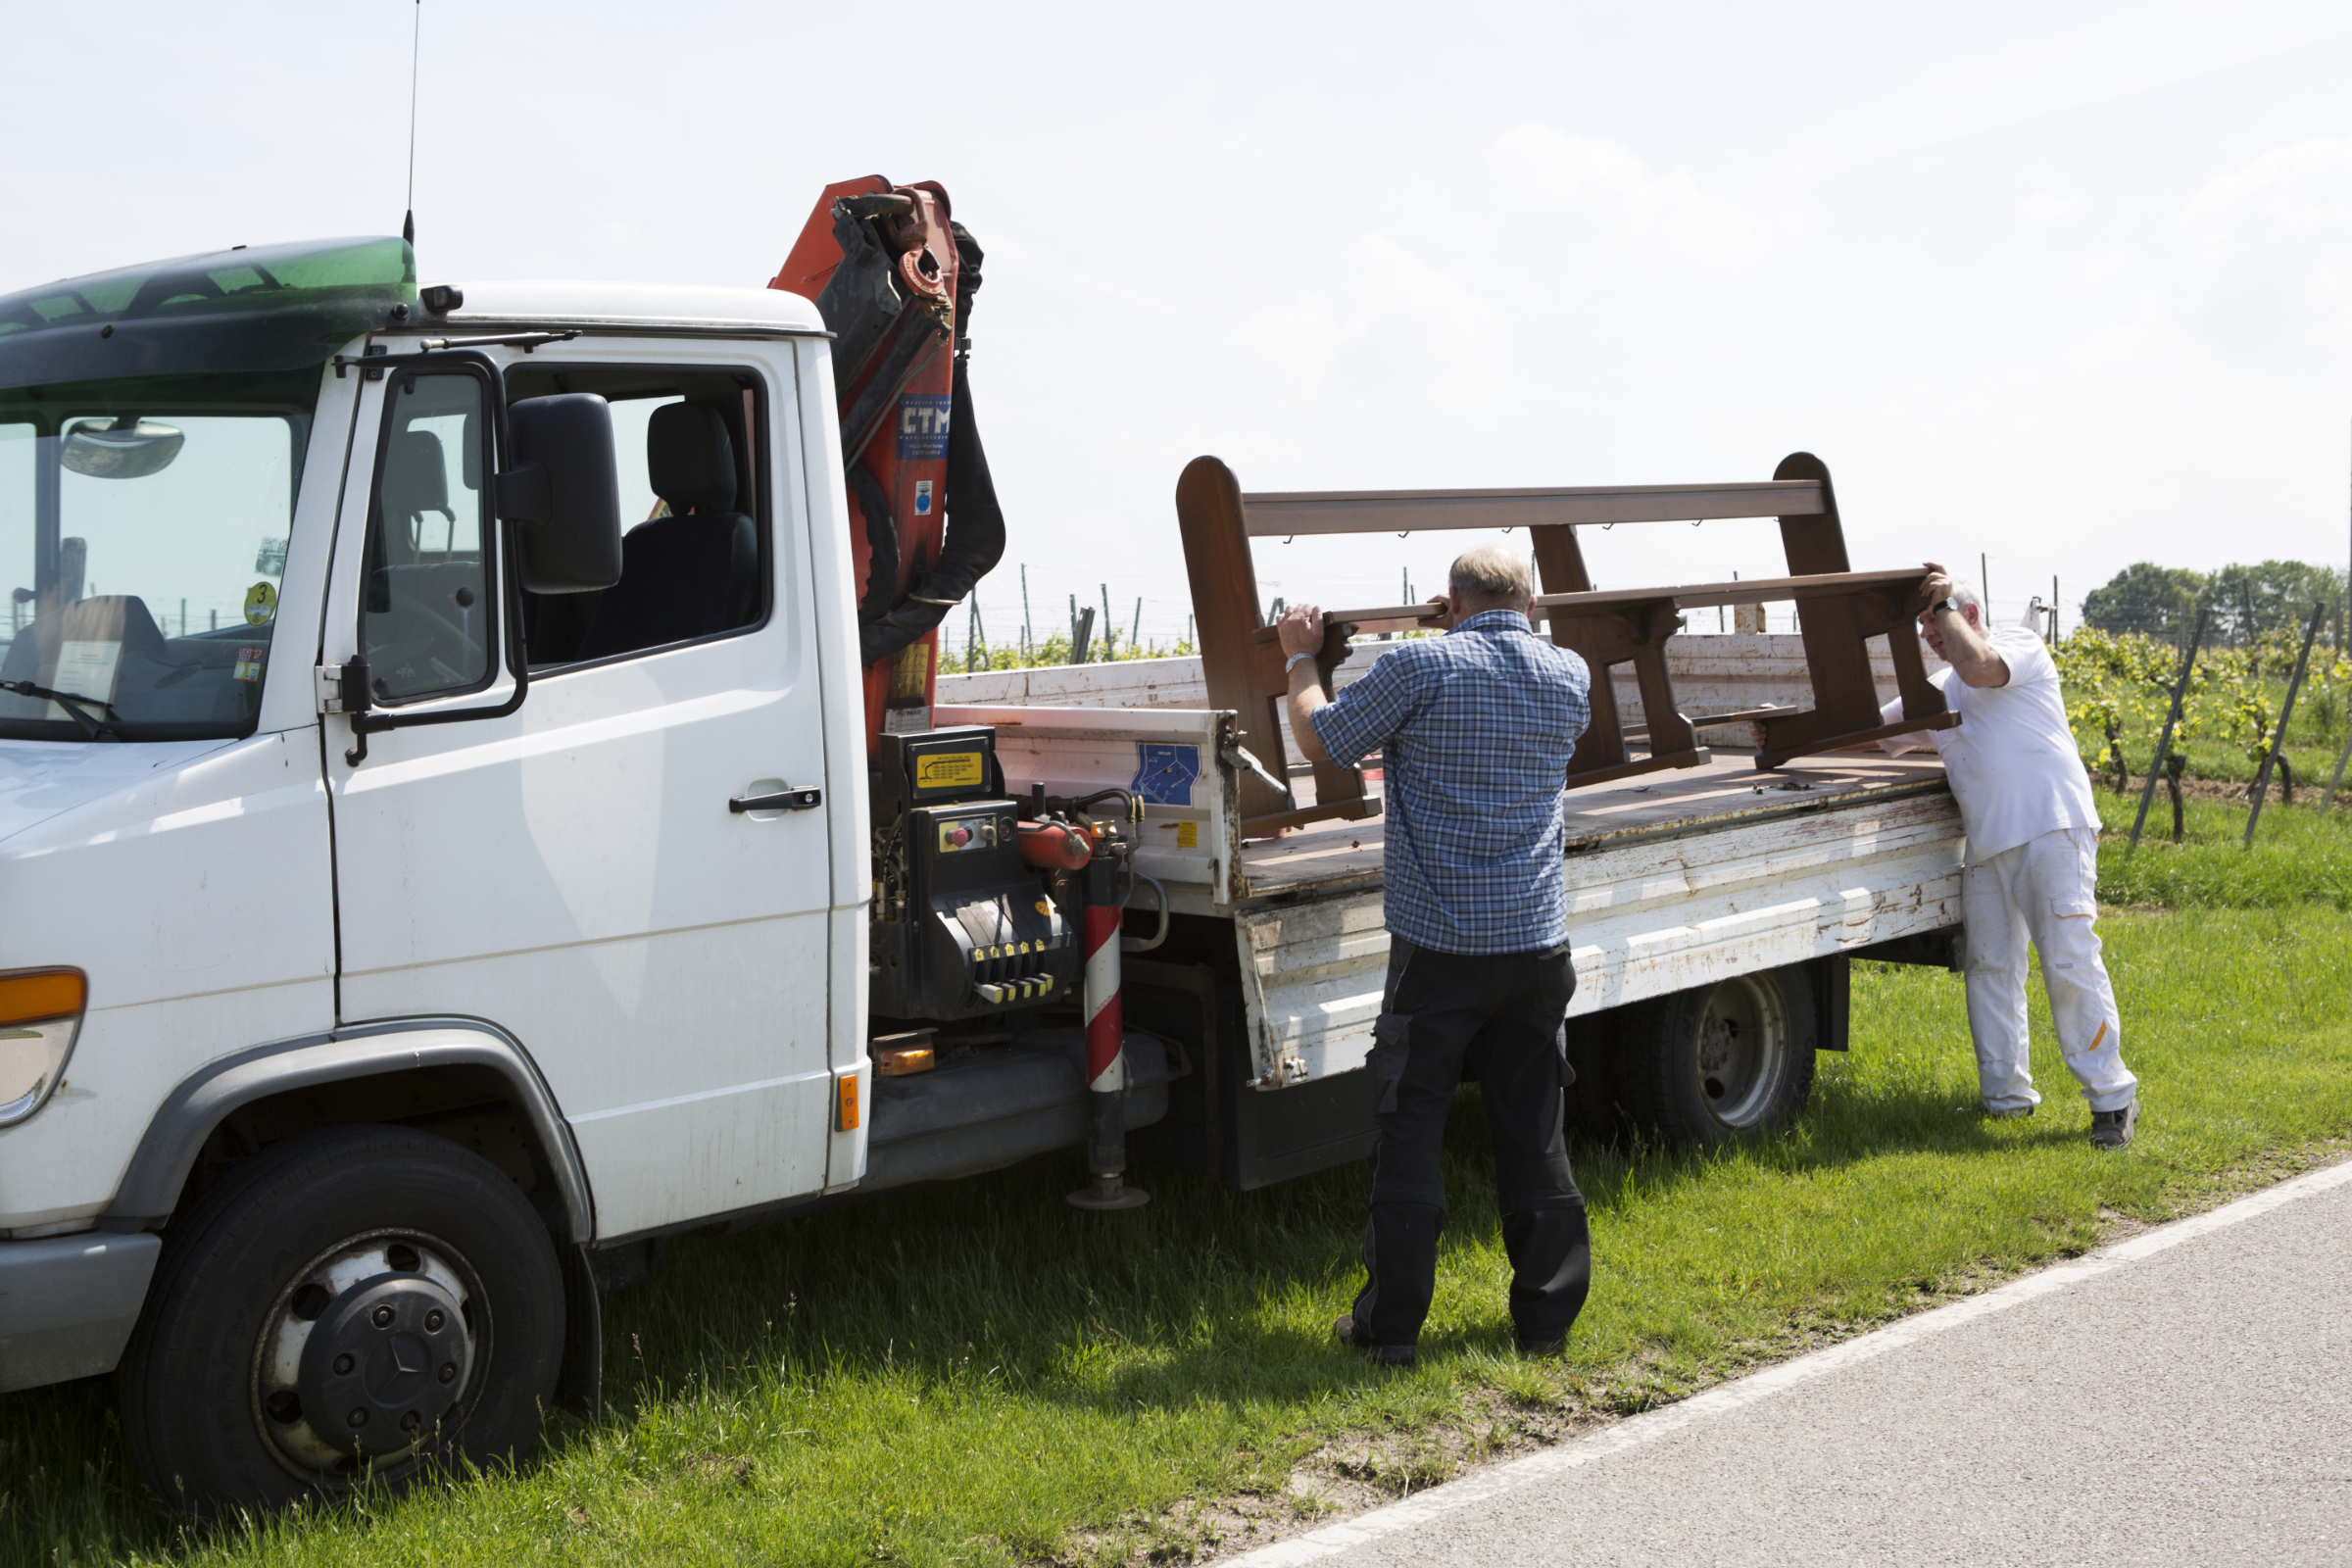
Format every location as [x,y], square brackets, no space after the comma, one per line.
[1544,1348]
[1343,1330]
[2113,1129]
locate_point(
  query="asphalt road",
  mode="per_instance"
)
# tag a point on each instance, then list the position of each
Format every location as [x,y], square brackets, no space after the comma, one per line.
[2184,1397]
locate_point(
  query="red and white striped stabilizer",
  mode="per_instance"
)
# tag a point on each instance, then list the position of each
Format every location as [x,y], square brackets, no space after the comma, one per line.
[1106,1024]
[1106,1043]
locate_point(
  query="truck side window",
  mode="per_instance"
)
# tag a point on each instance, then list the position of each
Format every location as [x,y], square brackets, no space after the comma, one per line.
[426,623]
[694,560]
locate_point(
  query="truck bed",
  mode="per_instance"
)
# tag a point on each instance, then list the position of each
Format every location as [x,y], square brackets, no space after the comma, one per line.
[1330,857]
[1681,880]
[1677,880]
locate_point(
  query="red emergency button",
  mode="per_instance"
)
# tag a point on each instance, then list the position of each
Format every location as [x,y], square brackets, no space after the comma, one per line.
[960,836]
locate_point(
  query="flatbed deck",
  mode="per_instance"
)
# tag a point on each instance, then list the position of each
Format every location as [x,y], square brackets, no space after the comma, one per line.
[1675,880]
[1334,856]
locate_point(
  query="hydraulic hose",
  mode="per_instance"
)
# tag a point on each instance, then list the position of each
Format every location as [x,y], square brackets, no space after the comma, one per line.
[975,538]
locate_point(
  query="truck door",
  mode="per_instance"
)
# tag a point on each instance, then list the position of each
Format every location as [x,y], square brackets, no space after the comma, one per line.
[571,872]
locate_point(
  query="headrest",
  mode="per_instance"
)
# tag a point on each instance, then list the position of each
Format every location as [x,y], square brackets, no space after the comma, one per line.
[416,476]
[689,458]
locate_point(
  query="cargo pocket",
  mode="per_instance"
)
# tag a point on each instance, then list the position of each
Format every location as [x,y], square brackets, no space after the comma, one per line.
[1384,1068]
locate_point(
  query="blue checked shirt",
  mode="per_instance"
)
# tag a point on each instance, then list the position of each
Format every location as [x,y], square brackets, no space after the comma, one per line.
[1474,728]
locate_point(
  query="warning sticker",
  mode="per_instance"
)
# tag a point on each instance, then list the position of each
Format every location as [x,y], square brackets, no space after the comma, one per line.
[950,771]
[1164,774]
[1188,834]
[923,426]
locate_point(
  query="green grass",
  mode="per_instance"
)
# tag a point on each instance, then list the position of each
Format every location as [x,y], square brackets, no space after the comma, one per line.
[2298,857]
[977,1374]
[2313,763]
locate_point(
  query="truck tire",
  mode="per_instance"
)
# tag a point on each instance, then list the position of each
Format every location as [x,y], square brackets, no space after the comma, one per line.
[1730,1062]
[357,1303]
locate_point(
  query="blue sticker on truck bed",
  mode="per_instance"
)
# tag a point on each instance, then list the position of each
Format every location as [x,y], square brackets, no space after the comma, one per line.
[1166,773]
[923,426]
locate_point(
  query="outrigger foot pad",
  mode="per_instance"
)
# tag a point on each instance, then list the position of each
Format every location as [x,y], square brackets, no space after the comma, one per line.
[1109,1192]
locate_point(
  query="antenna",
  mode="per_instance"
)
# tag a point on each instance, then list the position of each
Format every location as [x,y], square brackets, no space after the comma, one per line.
[408,225]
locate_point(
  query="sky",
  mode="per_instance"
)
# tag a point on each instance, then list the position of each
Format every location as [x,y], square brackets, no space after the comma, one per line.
[2057,286]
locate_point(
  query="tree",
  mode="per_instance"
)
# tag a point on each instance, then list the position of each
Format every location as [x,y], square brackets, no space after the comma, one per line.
[2244,603]
[2249,603]
[2143,596]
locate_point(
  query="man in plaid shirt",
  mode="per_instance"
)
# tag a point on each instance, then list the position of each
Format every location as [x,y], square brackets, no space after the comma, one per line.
[1475,729]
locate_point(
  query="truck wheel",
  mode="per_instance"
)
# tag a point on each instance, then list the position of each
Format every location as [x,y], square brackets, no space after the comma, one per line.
[364,1302]
[1728,1062]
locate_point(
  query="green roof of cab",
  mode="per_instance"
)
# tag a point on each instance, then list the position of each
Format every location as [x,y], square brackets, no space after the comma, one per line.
[257,308]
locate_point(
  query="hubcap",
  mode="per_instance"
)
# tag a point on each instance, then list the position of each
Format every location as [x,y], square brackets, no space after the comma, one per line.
[365,1354]
[1742,1050]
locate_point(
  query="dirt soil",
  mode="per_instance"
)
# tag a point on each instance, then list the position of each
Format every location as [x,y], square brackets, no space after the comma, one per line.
[2306,798]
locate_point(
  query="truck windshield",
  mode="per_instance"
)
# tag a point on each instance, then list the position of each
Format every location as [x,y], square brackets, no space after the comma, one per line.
[143,531]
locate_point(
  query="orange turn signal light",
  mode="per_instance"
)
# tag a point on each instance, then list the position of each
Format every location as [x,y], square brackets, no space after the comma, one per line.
[42,994]
[849,1104]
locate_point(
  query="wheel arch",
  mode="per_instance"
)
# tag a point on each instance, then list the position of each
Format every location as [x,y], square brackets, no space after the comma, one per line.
[429,1060]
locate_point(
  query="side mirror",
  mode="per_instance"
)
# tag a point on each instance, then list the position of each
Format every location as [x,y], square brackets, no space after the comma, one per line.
[563,493]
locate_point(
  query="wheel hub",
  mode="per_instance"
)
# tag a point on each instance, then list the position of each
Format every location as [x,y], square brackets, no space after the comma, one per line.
[381,1365]
[365,1354]
[1743,1050]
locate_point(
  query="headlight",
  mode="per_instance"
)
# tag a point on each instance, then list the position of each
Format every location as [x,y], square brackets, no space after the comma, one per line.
[40,1012]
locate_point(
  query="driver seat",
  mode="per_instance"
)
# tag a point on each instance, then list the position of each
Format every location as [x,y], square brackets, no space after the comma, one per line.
[695,572]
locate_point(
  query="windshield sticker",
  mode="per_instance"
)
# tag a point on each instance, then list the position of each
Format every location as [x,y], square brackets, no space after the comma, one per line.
[249,663]
[261,604]
[87,671]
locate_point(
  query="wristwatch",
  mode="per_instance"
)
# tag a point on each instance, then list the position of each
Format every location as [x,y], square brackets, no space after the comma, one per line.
[1289,663]
[1946,603]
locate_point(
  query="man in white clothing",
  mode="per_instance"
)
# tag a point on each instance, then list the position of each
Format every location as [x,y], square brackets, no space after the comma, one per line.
[2033,859]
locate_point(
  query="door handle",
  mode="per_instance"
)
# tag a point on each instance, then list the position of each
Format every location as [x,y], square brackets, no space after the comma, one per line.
[801,800]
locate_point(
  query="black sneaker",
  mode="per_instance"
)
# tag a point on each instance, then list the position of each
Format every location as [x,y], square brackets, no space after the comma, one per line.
[2113,1129]
[1343,1330]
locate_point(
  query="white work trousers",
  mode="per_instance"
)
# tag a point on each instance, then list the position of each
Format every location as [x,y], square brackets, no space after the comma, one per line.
[2041,889]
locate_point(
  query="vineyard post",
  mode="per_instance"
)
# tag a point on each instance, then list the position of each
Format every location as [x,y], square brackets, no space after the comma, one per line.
[2164,741]
[2286,710]
[2343,757]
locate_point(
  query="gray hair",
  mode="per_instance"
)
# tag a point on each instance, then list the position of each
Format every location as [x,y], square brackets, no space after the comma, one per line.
[1493,571]
[1966,592]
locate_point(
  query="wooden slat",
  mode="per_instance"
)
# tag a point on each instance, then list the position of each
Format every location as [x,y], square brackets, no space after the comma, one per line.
[1760,590]
[1283,512]
[1688,596]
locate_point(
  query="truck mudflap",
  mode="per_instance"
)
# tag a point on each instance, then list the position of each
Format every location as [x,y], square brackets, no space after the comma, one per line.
[68,1305]
[995,1105]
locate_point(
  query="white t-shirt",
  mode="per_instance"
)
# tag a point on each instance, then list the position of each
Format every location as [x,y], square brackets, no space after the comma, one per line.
[2012,761]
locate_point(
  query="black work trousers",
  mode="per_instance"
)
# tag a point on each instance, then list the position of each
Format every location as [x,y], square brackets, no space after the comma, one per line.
[1499,1015]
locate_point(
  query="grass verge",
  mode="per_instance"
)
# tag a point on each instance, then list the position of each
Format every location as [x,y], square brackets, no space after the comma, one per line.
[980,1375]
[2298,857]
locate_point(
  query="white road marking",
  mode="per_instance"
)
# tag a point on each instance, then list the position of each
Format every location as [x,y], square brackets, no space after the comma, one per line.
[1647,1427]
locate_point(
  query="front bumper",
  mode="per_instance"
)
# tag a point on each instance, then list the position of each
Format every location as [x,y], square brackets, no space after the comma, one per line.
[68,1305]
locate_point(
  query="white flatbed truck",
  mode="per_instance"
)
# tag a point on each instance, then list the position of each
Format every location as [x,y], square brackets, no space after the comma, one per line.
[415,903]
